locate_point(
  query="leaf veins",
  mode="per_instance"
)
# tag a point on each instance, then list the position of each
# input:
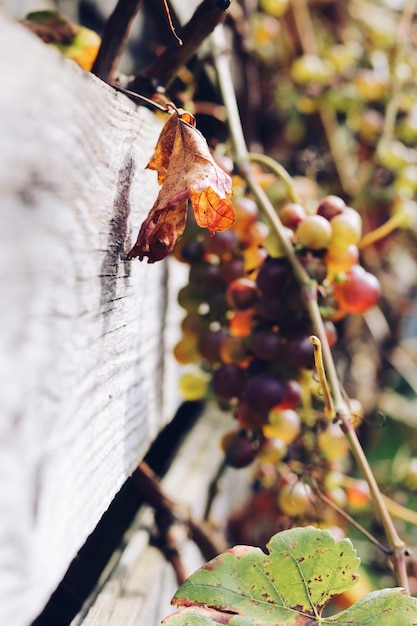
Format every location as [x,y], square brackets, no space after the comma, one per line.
[186,171]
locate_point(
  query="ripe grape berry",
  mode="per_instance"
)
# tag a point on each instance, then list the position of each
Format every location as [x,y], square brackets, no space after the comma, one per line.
[359,290]
[239,451]
[247,324]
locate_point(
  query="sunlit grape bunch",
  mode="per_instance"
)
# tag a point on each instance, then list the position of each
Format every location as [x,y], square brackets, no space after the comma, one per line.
[247,332]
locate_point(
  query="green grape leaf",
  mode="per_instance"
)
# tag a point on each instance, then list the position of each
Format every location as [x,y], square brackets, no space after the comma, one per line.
[288,586]
[379,608]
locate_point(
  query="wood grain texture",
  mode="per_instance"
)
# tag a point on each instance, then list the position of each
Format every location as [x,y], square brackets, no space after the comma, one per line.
[137,586]
[85,380]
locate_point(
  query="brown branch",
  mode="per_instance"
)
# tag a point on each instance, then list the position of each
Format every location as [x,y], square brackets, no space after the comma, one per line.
[169,513]
[164,69]
[116,32]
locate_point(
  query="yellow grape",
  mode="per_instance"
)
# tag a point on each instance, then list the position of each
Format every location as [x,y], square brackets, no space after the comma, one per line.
[276,8]
[341,260]
[253,258]
[346,230]
[333,443]
[273,246]
[338,496]
[271,450]
[310,68]
[193,385]
[294,498]
[314,232]
[284,424]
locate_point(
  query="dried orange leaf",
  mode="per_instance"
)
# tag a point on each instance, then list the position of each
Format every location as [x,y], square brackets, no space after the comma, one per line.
[187,171]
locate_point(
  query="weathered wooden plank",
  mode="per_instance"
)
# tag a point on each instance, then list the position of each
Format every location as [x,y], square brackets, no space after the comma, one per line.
[138,585]
[83,378]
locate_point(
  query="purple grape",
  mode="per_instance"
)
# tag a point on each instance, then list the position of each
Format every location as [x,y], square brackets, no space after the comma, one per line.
[272,276]
[263,391]
[228,381]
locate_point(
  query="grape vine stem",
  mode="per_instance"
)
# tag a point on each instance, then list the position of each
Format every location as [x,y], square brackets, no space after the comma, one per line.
[309,288]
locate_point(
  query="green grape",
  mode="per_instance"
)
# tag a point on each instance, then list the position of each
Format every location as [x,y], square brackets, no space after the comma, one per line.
[338,496]
[395,156]
[343,57]
[193,385]
[189,299]
[406,181]
[407,129]
[273,245]
[294,498]
[310,68]
[314,232]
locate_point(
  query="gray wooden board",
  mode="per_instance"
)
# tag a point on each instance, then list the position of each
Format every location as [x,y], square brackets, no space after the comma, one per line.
[137,586]
[86,377]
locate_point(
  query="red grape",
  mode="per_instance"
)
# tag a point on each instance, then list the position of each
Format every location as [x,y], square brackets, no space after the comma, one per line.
[359,292]
[239,451]
[231,269]
[292,214]
[330,206]
[292,395]
[241,293]
[221,242]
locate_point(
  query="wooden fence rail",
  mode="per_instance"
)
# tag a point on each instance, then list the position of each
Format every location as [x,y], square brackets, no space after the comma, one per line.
[86,377]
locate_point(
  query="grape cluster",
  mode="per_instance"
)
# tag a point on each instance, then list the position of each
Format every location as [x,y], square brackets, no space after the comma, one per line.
[247,328]
[357,68]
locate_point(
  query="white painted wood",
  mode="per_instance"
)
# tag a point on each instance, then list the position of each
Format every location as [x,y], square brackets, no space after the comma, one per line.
[86,382]
[137,586]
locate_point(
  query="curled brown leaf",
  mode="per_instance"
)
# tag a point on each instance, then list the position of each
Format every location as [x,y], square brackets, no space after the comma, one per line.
[186,171]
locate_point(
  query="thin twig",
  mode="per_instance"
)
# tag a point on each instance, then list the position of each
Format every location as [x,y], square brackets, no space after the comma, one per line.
[165,68]
[279,171]
[137,97]
[353,522]
[403,40]
[309,289]
[209,541]
[171,25]
[114,39]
